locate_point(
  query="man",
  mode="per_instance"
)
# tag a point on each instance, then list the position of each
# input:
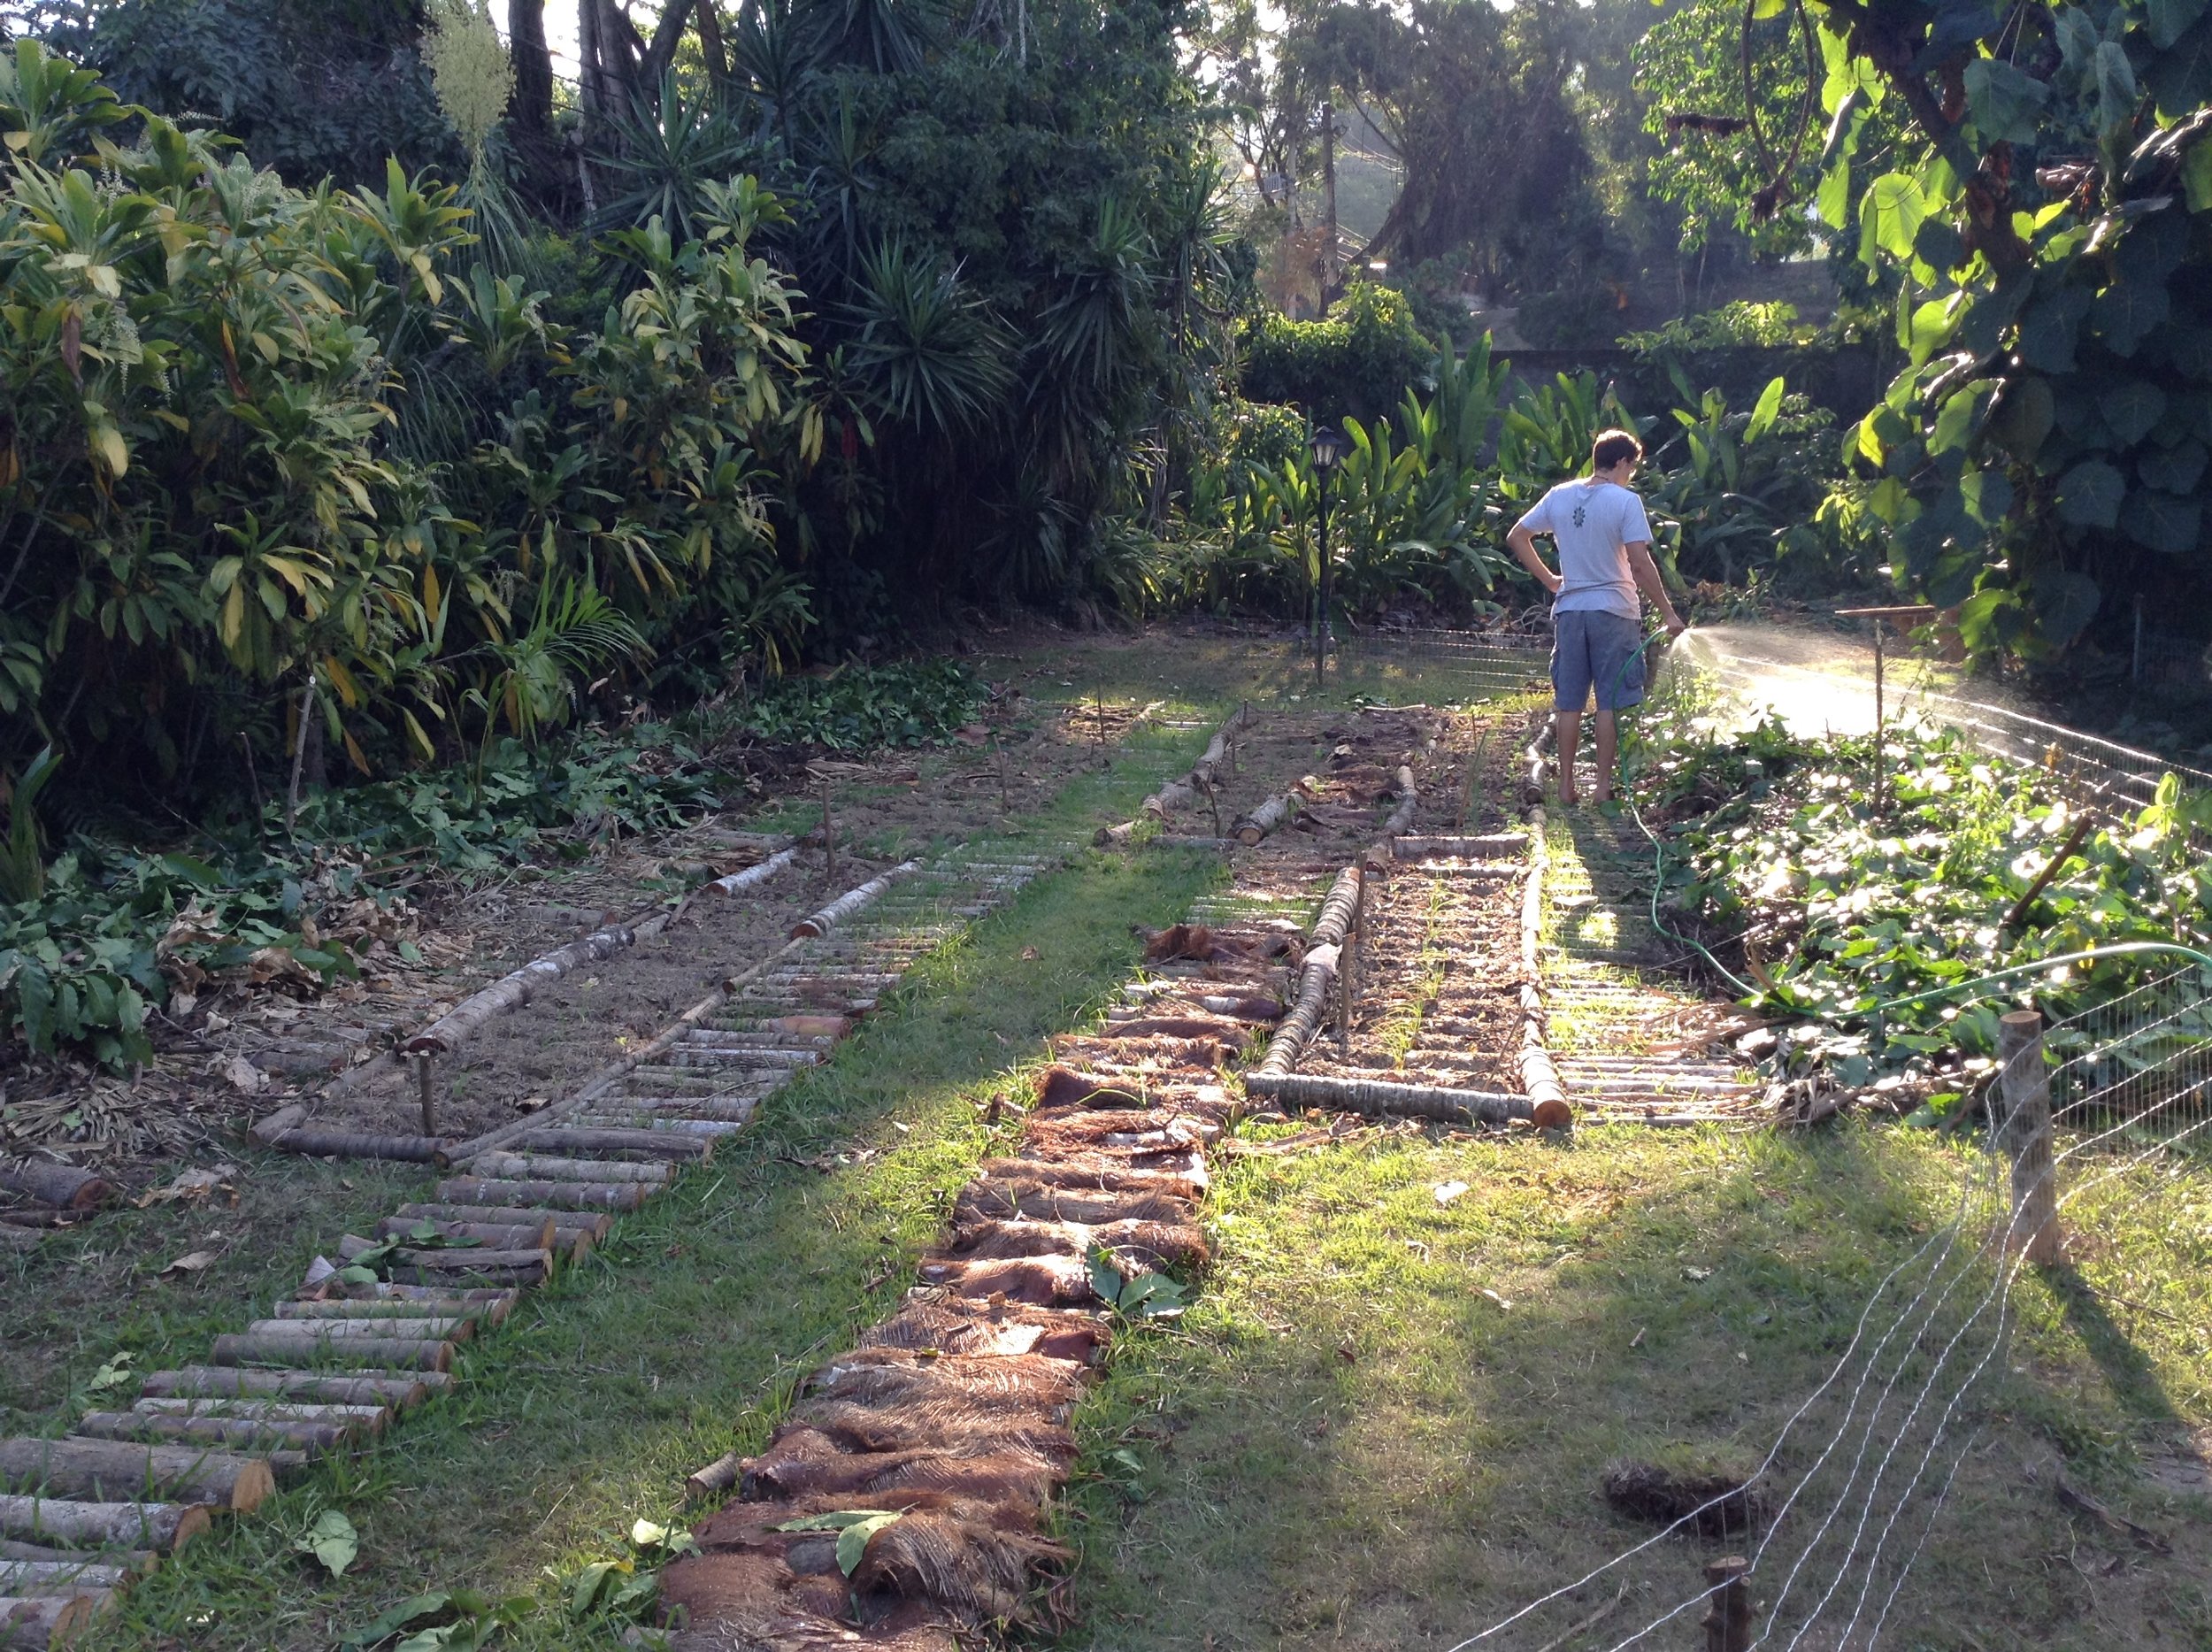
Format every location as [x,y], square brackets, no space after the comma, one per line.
[1604,543]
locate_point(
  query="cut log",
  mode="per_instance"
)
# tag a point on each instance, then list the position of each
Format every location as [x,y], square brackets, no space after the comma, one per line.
[517,1236]
[97,1470]
[457,1306]
[236,1434]
[164,1526]
[46,1620]
[1401,818]
[515,989]
[853,901]
[561,1196]
[266,1130]
[1368,1095]
[1492,846]
[305,1353]
[399,1392]
[714,1479]
[1249,829]
[1181,794]
[357,1419]
[645,1143]
[596,1222]
[63,1186]
[48,1576]
[354,1144]
[136,1561]
[429,1266]
[545,1167]
[421,1328]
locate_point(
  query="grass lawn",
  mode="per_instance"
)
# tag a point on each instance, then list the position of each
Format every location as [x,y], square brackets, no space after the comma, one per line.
[1385,1420]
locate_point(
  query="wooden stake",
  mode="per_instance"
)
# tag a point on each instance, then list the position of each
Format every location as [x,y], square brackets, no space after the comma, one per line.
[423,1093]
[1005,796]
[2025,1133]
[1727,1619]
[1881,777]
[829,836]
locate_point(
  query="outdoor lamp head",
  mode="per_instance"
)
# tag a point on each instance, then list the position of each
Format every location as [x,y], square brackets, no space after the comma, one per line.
[1328,448]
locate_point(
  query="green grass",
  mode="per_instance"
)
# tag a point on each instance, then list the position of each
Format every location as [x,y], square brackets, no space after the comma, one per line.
[679,1338]
[1350,1440]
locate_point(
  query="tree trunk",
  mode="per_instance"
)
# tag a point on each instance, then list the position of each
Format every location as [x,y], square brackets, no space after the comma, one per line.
[305,1353]
[532,109]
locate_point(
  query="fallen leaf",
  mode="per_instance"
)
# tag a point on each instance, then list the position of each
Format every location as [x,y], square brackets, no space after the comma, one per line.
[244,1075]
[1030,954]
[1503,1302]
[1448,1191]
[331,1541]
[194,1186]
[531,1103]
[191,1262]
[1695,1274]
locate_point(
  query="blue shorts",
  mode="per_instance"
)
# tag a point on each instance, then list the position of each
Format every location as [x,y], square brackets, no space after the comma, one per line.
[1594,649]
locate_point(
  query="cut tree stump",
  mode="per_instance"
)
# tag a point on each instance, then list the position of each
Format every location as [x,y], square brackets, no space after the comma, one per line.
[165,1526]
[95,1469]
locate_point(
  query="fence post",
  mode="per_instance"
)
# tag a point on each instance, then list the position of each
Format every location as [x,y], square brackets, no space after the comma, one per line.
[1727,1618]
[2025,1134]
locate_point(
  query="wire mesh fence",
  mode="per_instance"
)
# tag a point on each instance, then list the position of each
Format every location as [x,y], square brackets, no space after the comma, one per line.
[1835,693]
[1468,664]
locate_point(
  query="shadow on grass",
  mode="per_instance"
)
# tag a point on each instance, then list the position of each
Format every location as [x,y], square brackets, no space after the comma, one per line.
[1385,1421]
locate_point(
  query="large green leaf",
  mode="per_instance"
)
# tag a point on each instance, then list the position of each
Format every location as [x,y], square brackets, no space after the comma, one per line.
[2022,415]
[2066,603]
[1987,495]
[2130,407]
[2169,20]
[2180,78]
[2161,521]
[2007,104]
[2127,311]
[1767,409]
[2114,78]
[2089,495]
[2048,329]
[1890,216]
[2176,470]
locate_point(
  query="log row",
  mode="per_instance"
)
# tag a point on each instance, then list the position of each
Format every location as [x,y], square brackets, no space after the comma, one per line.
[954,1413]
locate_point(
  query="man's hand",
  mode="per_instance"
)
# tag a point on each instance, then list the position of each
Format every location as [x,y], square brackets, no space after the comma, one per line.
[1675,625]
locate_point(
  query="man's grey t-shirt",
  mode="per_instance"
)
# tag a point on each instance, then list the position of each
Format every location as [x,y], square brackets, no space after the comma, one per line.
[1592,523]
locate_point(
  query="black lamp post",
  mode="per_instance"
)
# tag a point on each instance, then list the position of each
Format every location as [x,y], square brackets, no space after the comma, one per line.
[1327,447]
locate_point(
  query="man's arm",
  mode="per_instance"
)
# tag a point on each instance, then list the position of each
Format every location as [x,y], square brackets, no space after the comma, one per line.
[1522,543]
[1647,579]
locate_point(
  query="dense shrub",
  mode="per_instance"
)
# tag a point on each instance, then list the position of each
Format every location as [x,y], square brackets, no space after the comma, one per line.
[1357,363]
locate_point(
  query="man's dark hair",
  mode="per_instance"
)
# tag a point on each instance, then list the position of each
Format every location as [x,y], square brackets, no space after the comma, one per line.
[1613,446]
